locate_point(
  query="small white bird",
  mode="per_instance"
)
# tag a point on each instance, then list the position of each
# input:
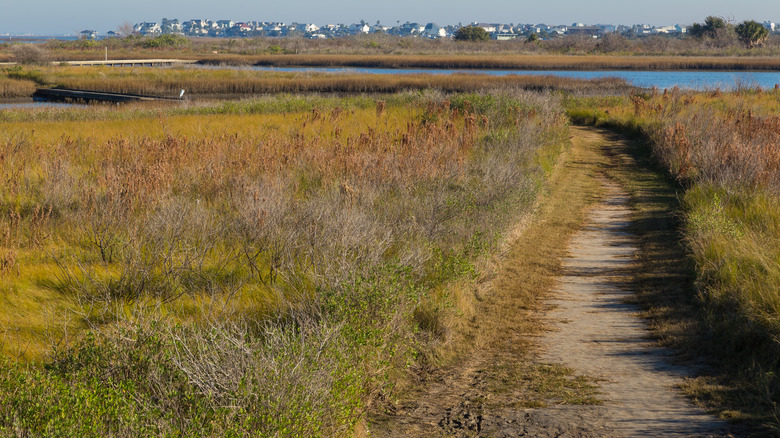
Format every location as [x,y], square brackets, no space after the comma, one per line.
[181,94]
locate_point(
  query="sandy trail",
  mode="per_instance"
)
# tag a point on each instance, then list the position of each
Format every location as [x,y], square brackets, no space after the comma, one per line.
[598,334]
[588,326]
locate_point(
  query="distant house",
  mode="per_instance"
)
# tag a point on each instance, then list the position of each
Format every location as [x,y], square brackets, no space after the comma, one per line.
[506,36]
[666,29]
[112,34]
[148,28]
[224,24]
[244,28]
[489,27]
[89,34]
[360,28]
[584,30]
[433,30]
[172,27]
[196,27]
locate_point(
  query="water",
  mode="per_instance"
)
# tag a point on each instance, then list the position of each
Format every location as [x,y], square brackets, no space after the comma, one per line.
[697,80]
[36,38]
[18,105]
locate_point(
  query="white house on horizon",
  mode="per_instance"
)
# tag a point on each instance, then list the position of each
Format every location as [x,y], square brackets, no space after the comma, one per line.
[433,30]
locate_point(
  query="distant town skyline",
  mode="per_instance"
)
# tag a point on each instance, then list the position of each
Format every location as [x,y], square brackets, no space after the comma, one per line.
[50,17]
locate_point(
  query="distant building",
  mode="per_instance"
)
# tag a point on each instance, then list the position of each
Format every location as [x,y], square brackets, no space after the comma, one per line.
[148,28]
[360,28]
[506,36]
[498,31]
[489,27]
[433,30]
[584,30]
[88,34]
[224,24]
[171,27]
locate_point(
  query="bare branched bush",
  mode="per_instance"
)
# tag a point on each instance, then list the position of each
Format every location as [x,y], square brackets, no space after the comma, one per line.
[613,42]
[30,54]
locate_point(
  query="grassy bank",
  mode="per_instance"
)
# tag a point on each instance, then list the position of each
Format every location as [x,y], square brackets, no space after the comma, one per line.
[236,83]
[722,148]
[272,267]
[507,62]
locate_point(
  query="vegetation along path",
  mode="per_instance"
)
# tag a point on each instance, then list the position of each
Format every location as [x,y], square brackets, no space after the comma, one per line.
[560,351]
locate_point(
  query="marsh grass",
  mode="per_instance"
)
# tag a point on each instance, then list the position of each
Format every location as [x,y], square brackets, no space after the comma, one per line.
[373,45]
[276,266]
[243,82]
[508,62]
[15,88]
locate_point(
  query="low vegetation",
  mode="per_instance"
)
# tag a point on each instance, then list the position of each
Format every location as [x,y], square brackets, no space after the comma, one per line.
[471,33]
[223,83]
[724,149]
[619,45]
[509,62]
[270,267]
[16,88]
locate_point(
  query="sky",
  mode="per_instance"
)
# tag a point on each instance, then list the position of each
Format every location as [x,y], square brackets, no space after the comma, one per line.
[57,17]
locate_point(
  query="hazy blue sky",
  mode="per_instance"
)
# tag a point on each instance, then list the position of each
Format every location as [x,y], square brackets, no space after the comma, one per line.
[72,16]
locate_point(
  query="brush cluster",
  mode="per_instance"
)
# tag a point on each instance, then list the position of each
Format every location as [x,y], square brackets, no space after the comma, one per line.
[269,267]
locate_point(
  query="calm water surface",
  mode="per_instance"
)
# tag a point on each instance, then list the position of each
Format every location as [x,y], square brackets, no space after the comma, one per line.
[698,80]
[17,105]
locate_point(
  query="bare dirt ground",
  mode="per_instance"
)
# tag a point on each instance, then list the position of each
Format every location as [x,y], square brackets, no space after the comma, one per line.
[579,362]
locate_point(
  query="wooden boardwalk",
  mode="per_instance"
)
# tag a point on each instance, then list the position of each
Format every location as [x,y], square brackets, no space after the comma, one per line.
[129,62]
[120,62]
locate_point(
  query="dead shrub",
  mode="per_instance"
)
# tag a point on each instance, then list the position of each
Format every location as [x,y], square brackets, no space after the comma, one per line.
[31,54]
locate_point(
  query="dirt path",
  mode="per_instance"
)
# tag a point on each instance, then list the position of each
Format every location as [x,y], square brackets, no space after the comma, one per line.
[598,334]
[593,370]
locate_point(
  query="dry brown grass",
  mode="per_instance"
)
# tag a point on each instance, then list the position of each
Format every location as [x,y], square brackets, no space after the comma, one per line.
[276,270]
[227,82]
[383,45]
[492,365]
[15,88]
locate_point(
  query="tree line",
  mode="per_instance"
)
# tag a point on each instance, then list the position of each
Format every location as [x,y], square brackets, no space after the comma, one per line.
[749,32]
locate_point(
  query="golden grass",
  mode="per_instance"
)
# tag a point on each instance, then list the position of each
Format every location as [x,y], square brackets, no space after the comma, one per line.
[232,82]
[58,172]
[286,257]
[15,88]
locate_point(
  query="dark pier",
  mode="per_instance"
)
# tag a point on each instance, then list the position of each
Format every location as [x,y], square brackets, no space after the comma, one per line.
[66,95]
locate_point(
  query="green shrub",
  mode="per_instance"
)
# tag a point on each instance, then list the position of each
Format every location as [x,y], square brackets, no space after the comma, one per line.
[166,40]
